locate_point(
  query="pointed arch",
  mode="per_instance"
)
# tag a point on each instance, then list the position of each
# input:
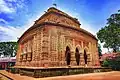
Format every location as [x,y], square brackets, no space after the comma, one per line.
[68,55]
[79,48]
[77,56]
[86,49]
[85,56]
[69,45]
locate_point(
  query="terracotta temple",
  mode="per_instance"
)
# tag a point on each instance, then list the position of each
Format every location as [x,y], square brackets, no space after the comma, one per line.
[57,40]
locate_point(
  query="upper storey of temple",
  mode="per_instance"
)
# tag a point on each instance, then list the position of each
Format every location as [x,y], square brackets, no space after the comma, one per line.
[56,16]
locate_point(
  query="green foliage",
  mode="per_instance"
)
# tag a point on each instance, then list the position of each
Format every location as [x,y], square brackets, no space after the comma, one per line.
[105,63]
[99,50]
[8,48]
[110,34]
[114,63]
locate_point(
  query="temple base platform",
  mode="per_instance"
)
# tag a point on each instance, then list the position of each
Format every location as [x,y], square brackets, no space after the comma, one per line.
[57,71]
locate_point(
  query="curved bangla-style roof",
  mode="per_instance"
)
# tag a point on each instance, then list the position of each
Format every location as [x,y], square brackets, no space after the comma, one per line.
[56,11]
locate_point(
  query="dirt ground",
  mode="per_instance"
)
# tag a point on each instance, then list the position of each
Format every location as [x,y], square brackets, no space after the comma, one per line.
[113,75]
[3,77]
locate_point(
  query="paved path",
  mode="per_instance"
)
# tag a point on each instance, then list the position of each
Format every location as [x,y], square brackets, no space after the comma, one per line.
[2,77]
[113,75]
[16,76]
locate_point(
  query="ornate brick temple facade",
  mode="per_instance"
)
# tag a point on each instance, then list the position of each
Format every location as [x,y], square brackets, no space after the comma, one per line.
[56,40]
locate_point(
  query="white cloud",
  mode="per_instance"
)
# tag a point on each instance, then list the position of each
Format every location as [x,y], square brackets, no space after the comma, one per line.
[4,21]
[104,50]
[12,0]
[12,32]
[15,32]
[4,7]
[9,7]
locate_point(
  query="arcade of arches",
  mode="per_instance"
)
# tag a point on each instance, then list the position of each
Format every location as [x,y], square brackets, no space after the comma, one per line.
[56,40]
[77,56]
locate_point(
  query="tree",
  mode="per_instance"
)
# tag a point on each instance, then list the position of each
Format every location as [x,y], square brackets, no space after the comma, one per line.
[99,50]
[8,49]
[110,34]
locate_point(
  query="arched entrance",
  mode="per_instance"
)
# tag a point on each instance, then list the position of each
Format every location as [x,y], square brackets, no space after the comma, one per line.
[77,56]
[85,56]
[67,55]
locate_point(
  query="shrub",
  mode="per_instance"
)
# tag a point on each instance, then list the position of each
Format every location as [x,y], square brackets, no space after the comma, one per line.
[12,70]
[105,63]
[114,63]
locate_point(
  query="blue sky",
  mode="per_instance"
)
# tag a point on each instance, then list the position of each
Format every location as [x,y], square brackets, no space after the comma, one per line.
[16,16]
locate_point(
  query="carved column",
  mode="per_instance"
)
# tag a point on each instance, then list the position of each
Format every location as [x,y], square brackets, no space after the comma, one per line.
[18,56]
[63,51]
[91,54]
[53,47]
[82,54]
[34,55]
[60,48]
[94,56]
[39,47]
[45,53]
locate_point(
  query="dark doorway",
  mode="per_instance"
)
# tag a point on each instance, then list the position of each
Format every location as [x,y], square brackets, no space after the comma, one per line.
[77,56]
[85,56]
[67,55]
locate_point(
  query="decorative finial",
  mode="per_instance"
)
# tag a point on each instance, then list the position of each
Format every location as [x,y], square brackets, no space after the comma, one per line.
[18,38]
[55,5]
[45,11]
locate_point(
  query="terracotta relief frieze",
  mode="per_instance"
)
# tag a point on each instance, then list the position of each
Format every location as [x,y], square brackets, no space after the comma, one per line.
[58,20]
